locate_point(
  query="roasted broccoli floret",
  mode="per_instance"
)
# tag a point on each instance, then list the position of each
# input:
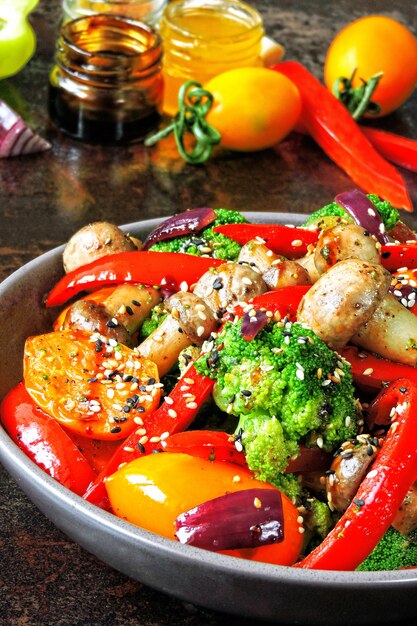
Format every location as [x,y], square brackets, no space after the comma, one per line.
[287,387]
[206,241]
[393,551]
[151,323]
[388,213]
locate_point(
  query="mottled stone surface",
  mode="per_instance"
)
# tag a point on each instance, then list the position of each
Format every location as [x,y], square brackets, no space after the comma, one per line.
[45,579]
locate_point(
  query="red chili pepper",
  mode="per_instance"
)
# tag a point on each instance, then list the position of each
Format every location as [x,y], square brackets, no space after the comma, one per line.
[381,492]
[400,150]
[149,268]
[399,255]
[332,127]
[175,414]
[286,240]
[206,444]
[372,373]
[44,441]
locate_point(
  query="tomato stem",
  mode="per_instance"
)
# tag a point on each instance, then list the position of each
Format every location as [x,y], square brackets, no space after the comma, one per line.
[194,103]
[358,99]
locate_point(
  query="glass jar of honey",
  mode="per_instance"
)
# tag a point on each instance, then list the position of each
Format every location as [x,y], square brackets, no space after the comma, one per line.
[106,85]
[148,11]
[203,38]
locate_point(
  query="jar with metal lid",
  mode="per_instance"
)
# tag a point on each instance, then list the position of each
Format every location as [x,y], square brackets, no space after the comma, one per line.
[203,38]
[148,11]
[106,85]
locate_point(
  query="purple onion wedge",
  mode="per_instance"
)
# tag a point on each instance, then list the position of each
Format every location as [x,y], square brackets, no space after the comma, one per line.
[252,324]
[16,138]
[364,213]
[243,519]
[191,221]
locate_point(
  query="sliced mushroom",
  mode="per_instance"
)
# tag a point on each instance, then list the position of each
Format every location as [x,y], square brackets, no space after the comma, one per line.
[277,271]
[94,241]
[345,241]
[119,316]
[348,470]
[227,284]
[190,321]
[93,317]
[132,304]
[343,300]
[391,332]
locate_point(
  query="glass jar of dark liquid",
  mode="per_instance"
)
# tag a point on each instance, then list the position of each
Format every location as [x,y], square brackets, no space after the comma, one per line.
[106,85]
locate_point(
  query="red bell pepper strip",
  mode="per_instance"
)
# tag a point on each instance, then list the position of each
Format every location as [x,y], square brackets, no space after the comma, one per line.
[285,240]
[284,301]
[148,268]
[399,150]
[44,441]
[206,444]
[399,255]
[175,414]
[330,124]
[381,492]
[372,373]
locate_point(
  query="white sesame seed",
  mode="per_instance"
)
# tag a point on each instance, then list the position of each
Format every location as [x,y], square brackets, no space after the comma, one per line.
[172,413]
[164,435]
[246,280]
[371,474]
[168,400]
[297,243]
[184,286]
[192,405]
[320,442]
[200,331]
[128,449]
[189,381]
[138,420]
[299,374]
[257,503]
[143,440]
[368,371]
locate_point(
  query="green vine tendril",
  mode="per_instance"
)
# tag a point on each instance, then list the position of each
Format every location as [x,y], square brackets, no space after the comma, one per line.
[194,103]
[358,99]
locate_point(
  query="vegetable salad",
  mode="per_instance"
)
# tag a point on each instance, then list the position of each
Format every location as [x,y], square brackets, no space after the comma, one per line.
[243,388]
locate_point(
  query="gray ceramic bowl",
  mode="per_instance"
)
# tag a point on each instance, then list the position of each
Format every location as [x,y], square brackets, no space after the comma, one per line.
[249,589]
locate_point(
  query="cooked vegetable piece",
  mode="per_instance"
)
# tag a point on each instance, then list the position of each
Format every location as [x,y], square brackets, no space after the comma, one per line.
[153,490]
[93,242]
[364,213]
[149,268]
[286,389]
[244,519]
[288,241]
[82,382]
[44,441]
[186,223]
[176,413]
[381,492]
[207,241]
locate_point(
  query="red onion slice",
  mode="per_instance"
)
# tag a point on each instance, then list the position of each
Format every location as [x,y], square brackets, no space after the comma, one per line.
[364,213]
[252,324]
[191,221]
[243,519]
[16,138]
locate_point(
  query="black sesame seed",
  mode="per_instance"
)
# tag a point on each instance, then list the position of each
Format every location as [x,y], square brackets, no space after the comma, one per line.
[129,310]
[329,472]
[136,303]
[119,419]
[403,389]
[246,392]
[92,380]
[385,255]
[369,451]
[140,409]
[359,502]
[218,283]
[347,455]
[115,429]
[111,324]
[134,379]
[99,345]
[151,381]
[141,448]
[126,408]
[127,378]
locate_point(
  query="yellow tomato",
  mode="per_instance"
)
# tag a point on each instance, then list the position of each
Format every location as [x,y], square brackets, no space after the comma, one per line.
[375,44]
[153,490]
[253,107]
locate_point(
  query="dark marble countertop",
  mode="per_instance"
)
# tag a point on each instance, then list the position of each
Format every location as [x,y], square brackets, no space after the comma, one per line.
[45,579]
